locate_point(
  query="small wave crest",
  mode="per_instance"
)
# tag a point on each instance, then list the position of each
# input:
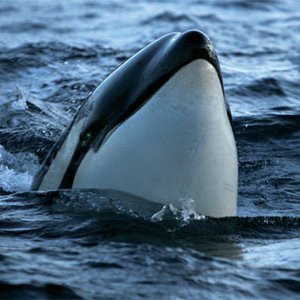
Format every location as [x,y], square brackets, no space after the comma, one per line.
[169,16]
[265,87]
[185,214]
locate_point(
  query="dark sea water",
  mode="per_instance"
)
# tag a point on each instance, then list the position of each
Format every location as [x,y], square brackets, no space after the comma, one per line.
[93,245]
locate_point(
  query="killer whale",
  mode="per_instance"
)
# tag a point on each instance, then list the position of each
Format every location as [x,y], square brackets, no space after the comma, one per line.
[159,127]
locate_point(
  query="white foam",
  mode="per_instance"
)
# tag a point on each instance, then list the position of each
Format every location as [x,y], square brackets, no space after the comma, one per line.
[184,214]
[17,170]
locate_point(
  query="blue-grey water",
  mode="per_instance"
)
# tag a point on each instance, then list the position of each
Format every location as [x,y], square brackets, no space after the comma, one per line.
[85,245]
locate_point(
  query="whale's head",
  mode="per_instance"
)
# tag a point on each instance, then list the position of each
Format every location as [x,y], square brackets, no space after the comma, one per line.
[158,127]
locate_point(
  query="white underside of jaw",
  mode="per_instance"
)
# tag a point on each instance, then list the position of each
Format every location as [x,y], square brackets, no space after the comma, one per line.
[62,160]
[178,146]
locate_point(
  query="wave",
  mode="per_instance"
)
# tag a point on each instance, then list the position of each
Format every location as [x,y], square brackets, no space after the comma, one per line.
[25,291]
[115,215]
[35,55]
[252,5]
[265,87]
[47,54]
[280,125]
[170,17]
[16,170]
[31,125]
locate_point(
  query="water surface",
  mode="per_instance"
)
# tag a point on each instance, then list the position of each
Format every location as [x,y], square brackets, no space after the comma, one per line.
[91,245]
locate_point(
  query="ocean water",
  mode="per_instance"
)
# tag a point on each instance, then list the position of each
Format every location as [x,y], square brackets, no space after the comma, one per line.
[93,245]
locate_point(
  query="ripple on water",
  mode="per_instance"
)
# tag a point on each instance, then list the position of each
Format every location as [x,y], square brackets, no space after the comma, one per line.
[68,244]
[36,291]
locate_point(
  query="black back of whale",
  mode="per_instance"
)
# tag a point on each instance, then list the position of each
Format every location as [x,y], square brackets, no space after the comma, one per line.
[127,89]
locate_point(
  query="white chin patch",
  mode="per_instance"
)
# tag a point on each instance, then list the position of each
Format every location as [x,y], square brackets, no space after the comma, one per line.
[62,160]
[178,146]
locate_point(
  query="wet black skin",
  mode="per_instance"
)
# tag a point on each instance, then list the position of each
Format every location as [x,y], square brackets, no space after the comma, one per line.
[127,89]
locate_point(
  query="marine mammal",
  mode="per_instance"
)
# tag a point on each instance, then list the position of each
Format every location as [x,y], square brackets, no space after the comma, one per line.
[159,127]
